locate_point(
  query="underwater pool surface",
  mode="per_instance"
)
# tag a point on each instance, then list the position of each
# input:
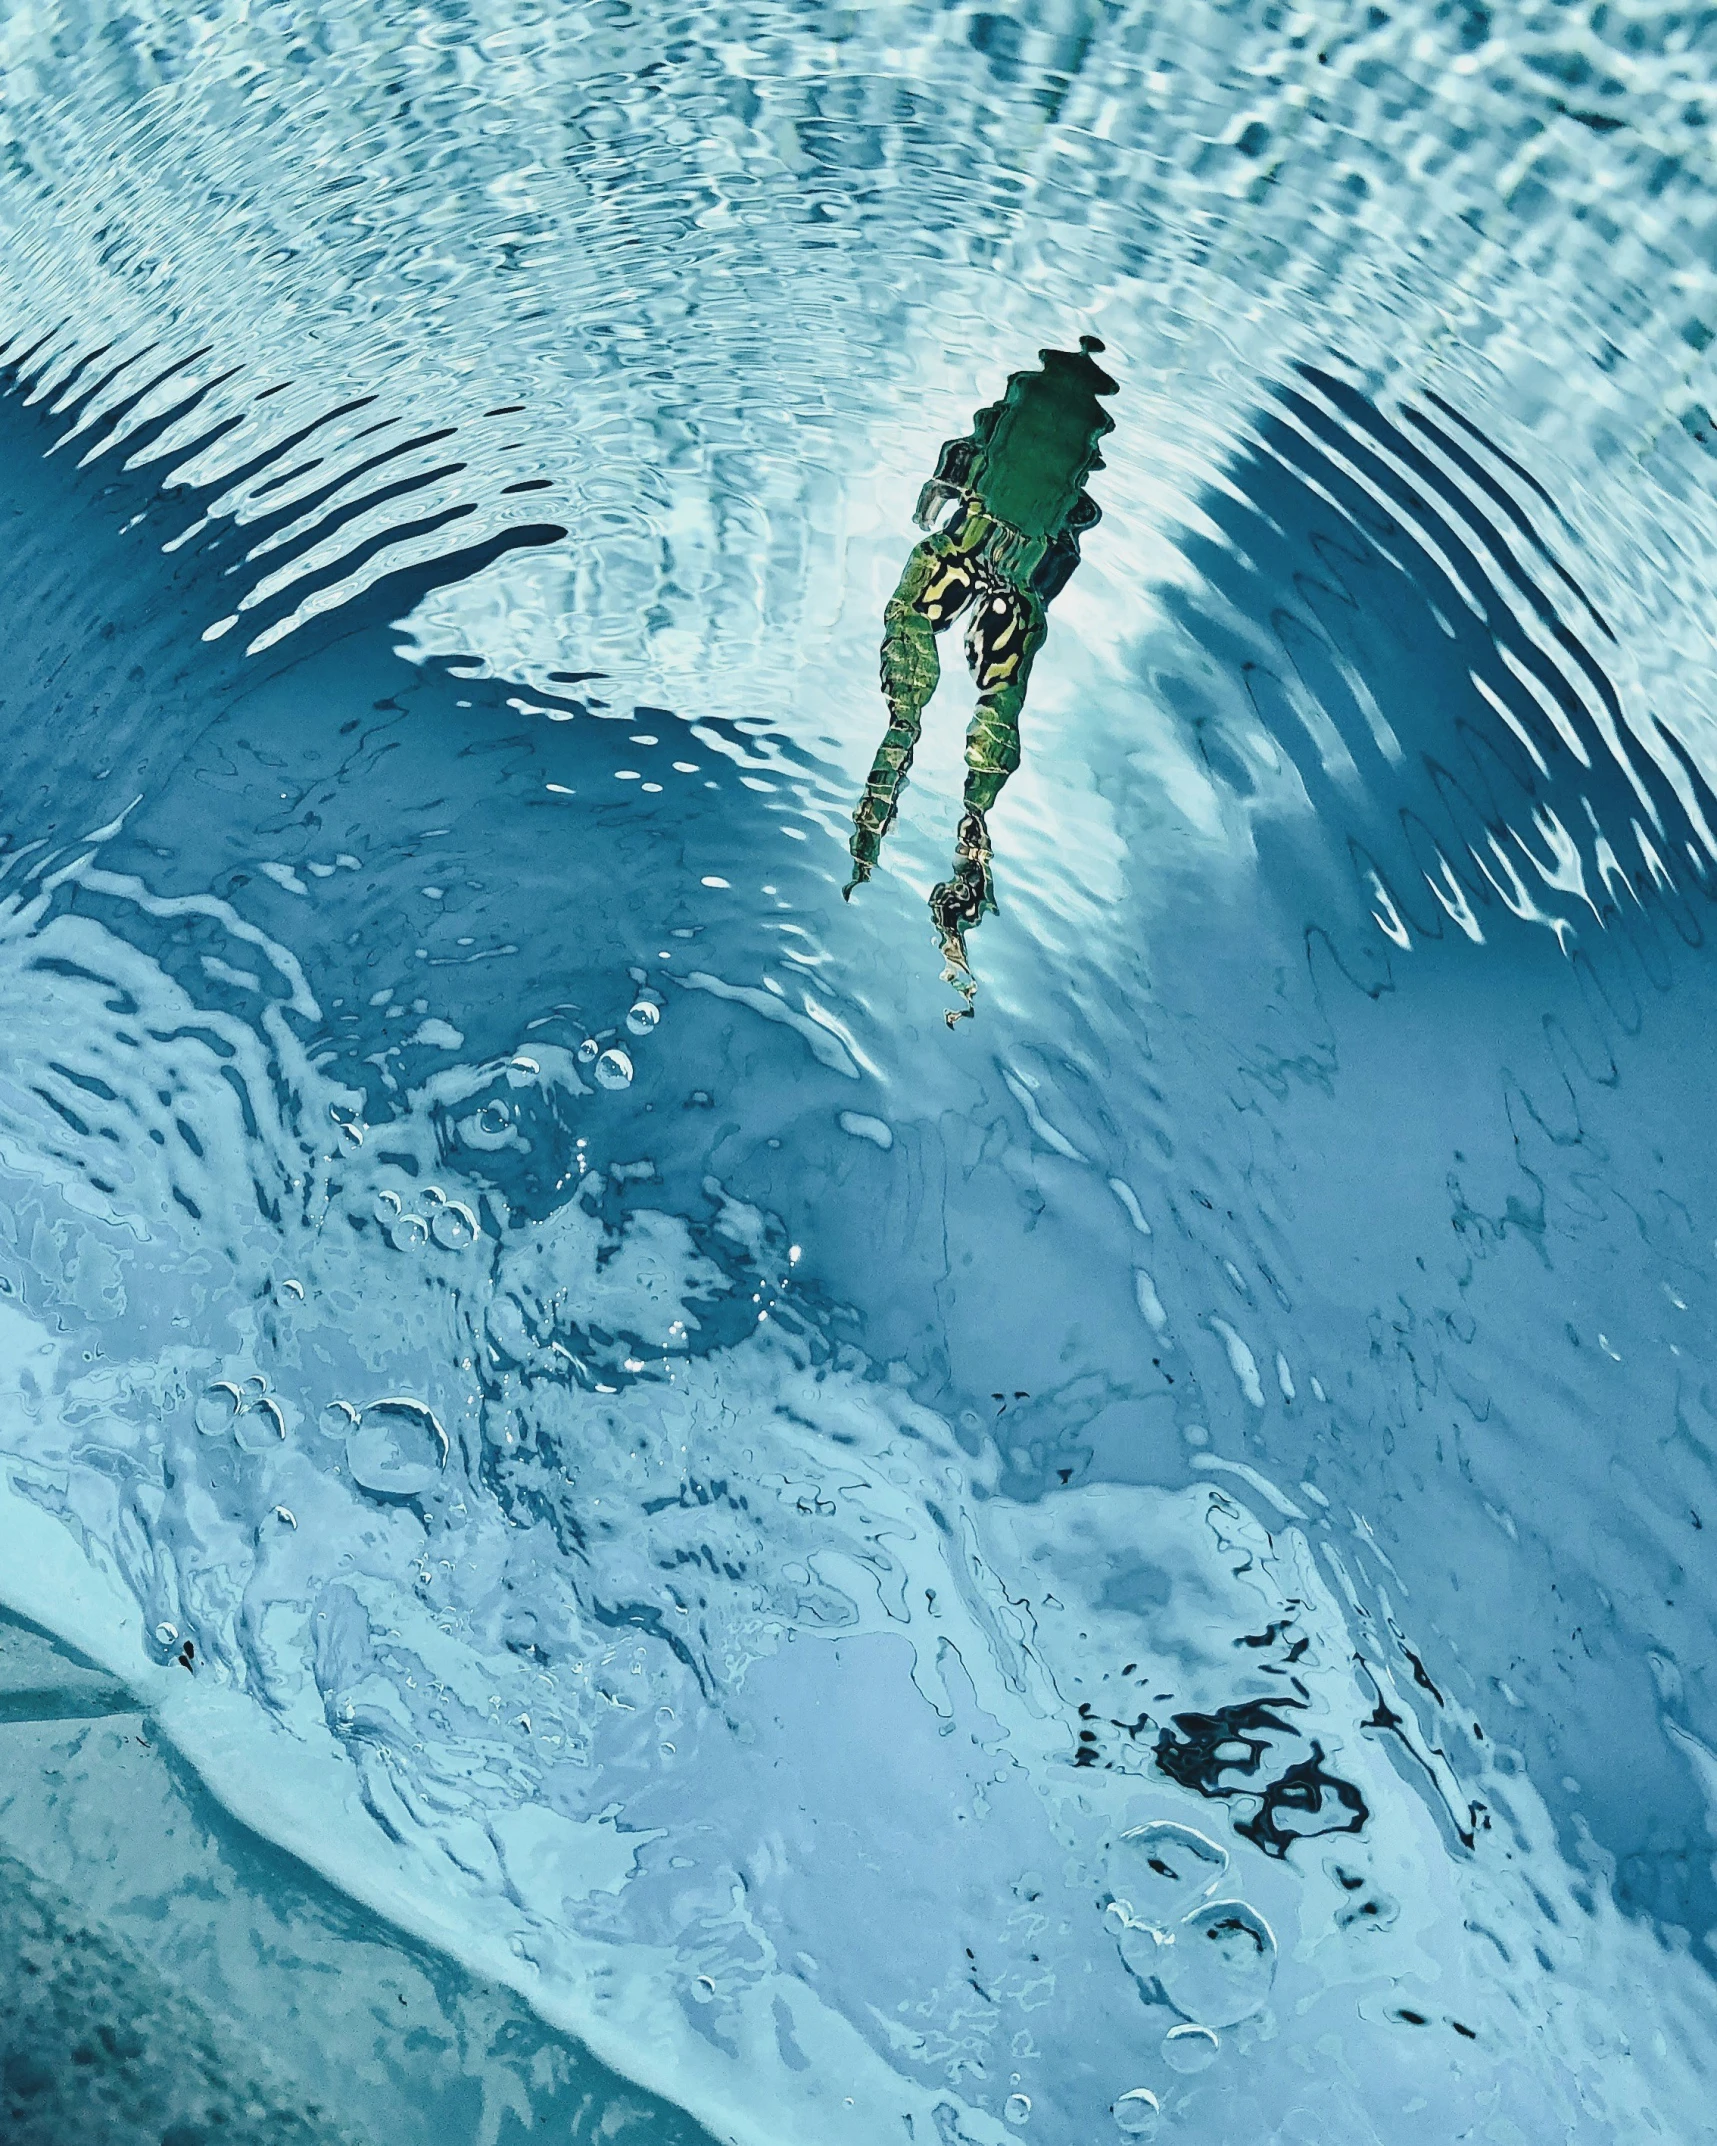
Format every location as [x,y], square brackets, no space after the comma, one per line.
[617,1524]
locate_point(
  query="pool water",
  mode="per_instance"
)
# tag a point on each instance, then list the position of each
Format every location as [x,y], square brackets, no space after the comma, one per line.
[575,1466]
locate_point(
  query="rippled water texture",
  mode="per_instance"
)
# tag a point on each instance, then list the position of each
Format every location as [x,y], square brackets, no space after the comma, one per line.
[1138,1569]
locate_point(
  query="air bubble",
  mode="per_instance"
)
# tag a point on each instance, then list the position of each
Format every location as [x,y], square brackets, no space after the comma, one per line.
[1221,1964]
[337,1420]
[396,1448]
[409,1233]
[1137,2114]
[1017,2108]
[589,1051]
[1163,1870]
[217,1410]
[1190,2049]
[455,1226]
[261,1426]
[643,1017]
[614,1070]
[488,1128]
[166,1635]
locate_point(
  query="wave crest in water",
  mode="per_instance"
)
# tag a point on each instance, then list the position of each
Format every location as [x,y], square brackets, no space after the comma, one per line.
[589,1417]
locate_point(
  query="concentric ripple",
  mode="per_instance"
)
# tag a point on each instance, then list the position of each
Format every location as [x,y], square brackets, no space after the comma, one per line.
[1135,1570]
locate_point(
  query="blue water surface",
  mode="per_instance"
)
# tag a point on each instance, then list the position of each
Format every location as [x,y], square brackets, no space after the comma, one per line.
[576,1467]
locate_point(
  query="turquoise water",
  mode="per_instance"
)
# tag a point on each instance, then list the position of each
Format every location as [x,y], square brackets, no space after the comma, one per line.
[637,1500]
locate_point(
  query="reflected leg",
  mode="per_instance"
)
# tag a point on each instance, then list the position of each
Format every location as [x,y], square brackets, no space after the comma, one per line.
[1004,636]
[935,588]
[1002,641]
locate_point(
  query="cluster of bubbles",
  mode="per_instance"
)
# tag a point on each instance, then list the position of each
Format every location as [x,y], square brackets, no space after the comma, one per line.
[613,1066]
[395,1447]
[446,1222]
[1214,1961]
[244,1408]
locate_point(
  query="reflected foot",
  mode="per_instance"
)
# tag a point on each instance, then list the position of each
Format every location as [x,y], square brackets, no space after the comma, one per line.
[871,823]
[958,905]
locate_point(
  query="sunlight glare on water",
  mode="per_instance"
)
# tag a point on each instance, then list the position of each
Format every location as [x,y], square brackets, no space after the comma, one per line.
[1135,1569]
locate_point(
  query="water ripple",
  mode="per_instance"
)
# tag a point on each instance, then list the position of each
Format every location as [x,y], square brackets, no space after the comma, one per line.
[585,1413]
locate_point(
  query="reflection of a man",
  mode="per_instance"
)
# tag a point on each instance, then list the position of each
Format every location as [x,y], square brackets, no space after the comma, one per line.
[1012,505]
